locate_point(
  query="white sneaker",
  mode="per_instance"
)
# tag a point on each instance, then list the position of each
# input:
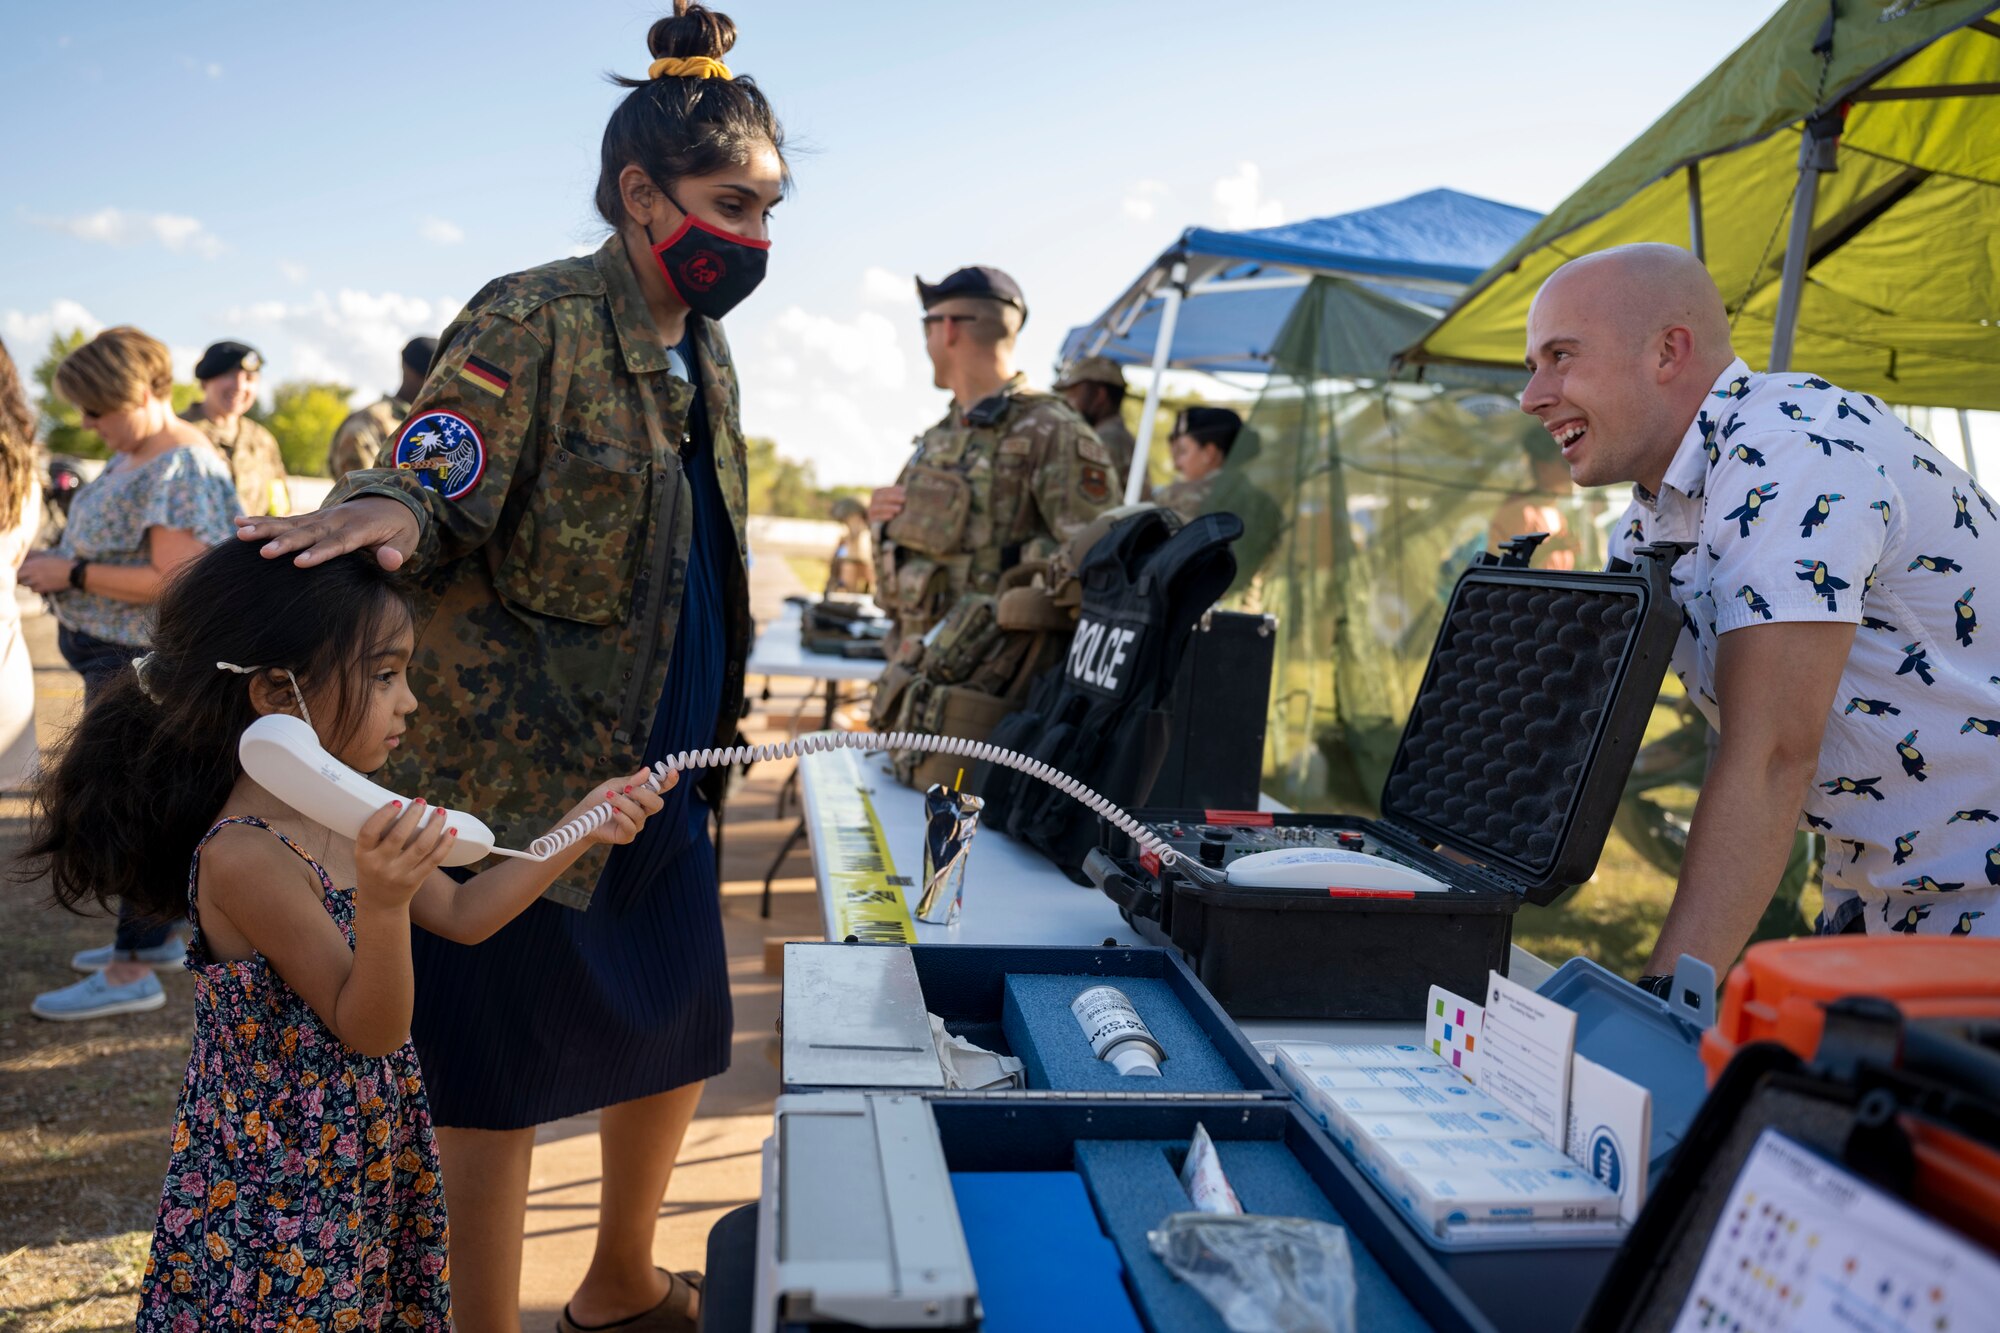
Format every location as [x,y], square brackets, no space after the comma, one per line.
[94,997]
[170,954]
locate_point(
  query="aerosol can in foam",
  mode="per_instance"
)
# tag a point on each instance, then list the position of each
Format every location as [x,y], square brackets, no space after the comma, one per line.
[1116,1032]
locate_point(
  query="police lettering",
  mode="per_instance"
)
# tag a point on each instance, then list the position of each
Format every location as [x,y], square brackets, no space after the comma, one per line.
[1097,654]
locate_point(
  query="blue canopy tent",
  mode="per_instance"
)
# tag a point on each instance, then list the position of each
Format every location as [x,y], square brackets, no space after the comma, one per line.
[1217,301]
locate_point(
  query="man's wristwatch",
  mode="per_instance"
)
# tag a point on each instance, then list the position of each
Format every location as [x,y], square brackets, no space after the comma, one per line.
[1660,986]
[76,573]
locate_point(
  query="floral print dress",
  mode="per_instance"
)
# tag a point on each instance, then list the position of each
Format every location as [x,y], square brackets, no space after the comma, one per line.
[303,1193]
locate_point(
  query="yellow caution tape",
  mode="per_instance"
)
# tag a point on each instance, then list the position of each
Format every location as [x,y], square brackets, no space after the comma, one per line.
[861,879]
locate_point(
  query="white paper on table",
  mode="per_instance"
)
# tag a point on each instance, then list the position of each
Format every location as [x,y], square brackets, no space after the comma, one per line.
[1451,1031]
[1610,1131]
[1526,1045]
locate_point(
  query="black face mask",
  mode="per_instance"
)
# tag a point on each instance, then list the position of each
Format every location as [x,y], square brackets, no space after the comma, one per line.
[711,271]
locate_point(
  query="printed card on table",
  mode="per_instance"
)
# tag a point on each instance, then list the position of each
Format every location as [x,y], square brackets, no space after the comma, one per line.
[1524,1054]
[1451,1031]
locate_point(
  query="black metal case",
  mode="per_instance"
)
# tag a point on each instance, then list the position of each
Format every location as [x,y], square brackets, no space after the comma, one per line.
[1531,710]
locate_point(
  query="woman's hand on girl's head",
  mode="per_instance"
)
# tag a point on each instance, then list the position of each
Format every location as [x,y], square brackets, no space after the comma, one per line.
[372,521]
[396,852]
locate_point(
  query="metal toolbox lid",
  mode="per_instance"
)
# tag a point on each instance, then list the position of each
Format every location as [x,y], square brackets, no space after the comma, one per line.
[1531,711]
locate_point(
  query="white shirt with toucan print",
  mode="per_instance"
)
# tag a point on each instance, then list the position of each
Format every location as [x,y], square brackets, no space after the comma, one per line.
[1806,502]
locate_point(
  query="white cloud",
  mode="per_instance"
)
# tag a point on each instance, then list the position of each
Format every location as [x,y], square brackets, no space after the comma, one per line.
[1241,199]
[27,331]
[114,226]
[881,287]
[440,232]
[293,272]
[213,70]
[864,349]
[351,337]
[1143,198]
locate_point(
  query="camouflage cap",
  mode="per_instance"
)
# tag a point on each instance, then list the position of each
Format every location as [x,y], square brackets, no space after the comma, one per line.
[1094,370]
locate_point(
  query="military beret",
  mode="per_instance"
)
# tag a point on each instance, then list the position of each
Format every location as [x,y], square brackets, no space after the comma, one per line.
[417,353]
[1211,425]
[223,357]
[981,280]
[1094,370]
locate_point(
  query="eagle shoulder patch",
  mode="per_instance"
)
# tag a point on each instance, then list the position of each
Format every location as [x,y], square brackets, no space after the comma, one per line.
[444,450]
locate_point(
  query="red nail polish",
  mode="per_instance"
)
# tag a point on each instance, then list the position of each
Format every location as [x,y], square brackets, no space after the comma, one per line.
[395,805]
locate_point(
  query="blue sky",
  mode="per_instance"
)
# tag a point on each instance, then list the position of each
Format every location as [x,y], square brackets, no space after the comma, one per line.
[324,181]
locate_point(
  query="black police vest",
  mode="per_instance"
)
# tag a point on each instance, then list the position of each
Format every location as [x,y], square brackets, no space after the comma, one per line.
[1099,715]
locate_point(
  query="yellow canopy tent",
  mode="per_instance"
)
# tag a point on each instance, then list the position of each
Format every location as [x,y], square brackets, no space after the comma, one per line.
[1839,174]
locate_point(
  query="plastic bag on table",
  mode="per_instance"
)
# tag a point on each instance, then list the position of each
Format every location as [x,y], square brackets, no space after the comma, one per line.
[1263,1274]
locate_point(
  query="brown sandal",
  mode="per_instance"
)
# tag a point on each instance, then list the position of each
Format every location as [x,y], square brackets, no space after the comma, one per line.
[677,1311]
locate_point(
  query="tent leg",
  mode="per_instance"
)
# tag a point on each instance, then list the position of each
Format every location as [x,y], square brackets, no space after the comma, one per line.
[1697,233]
[1965,442]
[1163,347]
[1816,155]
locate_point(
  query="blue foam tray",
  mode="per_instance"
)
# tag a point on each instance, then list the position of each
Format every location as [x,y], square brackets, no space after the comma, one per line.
[1127,1154]
[1040,1258]
[1043,1031]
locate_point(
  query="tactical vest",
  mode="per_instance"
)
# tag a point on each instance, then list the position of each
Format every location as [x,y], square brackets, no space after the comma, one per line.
[967,512]
[1099,715]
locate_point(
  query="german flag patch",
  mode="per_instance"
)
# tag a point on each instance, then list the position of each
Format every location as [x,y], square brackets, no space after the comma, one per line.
[483,374]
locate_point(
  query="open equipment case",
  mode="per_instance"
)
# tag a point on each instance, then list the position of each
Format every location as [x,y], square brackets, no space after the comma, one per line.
[1513,759]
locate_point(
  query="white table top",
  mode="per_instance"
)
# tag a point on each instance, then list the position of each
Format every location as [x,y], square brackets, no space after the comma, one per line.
[778,652]
[1013,895]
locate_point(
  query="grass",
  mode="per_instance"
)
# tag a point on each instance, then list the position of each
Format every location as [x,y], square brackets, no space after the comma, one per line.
[811,570]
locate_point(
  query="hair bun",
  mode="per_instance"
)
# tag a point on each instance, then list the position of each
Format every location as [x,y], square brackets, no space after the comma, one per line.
[692,29]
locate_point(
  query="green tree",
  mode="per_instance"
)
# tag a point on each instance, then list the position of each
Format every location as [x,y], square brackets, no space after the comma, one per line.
[783,487]
[61,424]
[304,415]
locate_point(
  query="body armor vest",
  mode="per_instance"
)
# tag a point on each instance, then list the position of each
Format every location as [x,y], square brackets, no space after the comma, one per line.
[1099,714]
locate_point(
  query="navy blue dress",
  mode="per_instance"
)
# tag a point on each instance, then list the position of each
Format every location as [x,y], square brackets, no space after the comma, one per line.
[560,1011]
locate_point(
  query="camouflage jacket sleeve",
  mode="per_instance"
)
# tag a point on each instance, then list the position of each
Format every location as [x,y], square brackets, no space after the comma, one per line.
[471,432]
[1074,479]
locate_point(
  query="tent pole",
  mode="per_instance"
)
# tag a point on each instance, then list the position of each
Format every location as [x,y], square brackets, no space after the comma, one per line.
[1817,151]
[1697,236]
[1965,442]
[1163,347]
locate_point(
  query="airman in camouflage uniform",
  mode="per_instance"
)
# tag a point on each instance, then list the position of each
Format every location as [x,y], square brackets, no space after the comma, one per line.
[250,450]
[1095,387]
[1185,497]
[360,440]
[542,462]
[996,482]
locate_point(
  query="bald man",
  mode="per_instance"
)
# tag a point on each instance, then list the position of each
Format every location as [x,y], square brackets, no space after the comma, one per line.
[1830,633]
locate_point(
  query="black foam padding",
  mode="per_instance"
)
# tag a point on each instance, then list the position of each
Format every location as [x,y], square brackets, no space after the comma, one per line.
[1509,716]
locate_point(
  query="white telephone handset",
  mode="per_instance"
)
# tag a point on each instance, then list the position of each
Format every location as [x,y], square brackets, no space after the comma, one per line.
[283,754]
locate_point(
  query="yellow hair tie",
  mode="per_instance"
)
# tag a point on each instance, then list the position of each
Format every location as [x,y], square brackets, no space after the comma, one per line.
[689,67]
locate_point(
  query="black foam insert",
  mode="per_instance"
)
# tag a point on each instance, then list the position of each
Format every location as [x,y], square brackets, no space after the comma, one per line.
[1510,714]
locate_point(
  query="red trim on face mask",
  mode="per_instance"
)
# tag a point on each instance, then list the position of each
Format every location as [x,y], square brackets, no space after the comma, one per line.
[689,222]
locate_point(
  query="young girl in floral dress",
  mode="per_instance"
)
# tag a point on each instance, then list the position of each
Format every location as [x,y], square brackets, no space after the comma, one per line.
[303,1192]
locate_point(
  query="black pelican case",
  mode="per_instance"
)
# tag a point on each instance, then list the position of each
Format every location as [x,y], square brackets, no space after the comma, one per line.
[1512,762]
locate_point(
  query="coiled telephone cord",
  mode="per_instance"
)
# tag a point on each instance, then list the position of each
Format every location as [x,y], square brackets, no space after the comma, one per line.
[820,742]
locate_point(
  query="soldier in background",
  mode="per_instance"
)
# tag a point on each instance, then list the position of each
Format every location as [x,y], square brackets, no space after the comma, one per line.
[852,568]
[229,373]
[1095,387]
[359,441]
[1200,445]
[1006,476]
